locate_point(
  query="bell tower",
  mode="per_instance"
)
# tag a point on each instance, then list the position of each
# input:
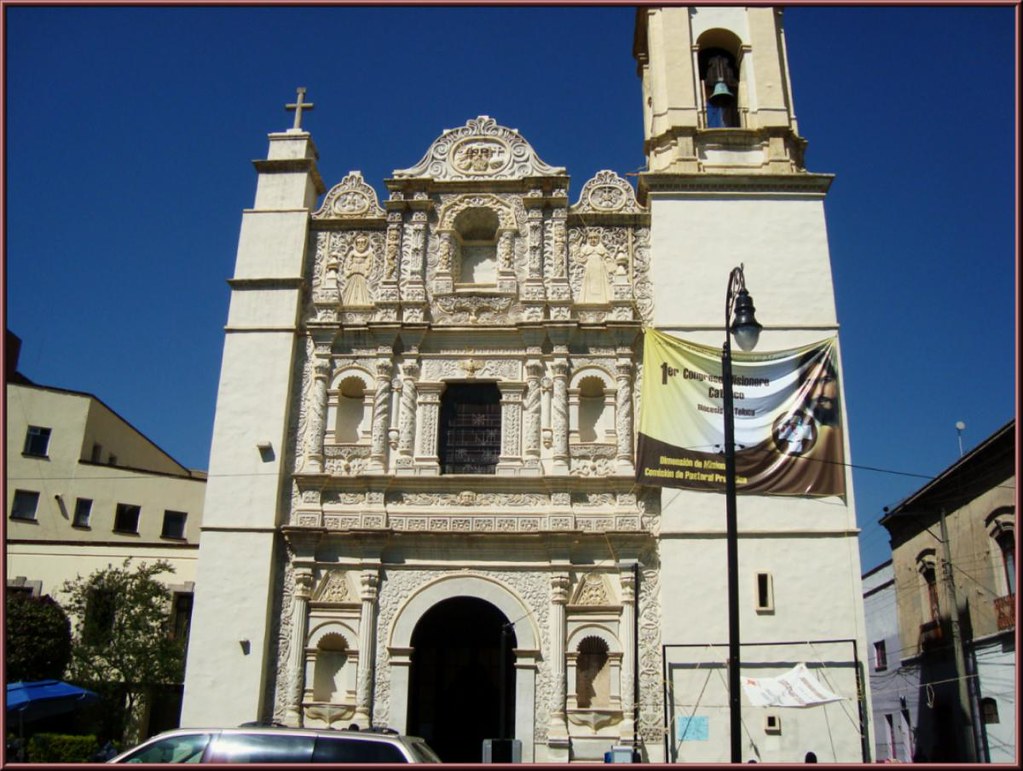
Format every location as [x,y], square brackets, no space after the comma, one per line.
[716,93]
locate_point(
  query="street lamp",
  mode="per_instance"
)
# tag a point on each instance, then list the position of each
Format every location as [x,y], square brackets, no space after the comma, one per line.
[747,331]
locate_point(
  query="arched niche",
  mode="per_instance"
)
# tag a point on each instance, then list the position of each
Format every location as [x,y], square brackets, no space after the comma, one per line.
[350,407]
[591,406]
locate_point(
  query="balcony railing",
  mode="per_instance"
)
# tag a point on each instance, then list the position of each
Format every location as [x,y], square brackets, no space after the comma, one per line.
[1005,612]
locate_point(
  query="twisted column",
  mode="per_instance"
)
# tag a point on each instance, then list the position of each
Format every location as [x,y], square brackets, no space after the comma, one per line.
[316,416]
[559,414]
[531,412]
[623,415]
[407,414]
[381,418]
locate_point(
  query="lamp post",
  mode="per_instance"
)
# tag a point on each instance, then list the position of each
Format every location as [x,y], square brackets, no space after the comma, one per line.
[747,331]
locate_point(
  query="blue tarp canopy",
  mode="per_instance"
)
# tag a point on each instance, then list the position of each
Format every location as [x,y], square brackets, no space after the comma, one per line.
[42,698]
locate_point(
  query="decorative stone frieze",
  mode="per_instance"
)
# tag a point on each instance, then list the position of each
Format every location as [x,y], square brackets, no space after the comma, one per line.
[350,199]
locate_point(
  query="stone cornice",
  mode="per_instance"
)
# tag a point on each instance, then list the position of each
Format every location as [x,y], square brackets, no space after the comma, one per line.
[752,183]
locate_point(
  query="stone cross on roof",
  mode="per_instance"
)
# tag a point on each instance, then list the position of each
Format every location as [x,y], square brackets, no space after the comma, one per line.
[298,106]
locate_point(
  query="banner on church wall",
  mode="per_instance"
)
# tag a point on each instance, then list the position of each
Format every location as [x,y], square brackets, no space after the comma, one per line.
[788,432]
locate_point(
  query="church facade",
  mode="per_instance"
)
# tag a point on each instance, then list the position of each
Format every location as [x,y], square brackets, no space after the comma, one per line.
[422,509]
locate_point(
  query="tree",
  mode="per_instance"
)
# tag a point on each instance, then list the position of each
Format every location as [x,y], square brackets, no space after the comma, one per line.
[123,634]
[38,638]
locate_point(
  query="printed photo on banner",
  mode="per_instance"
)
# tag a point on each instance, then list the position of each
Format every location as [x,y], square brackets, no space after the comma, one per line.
[788,430]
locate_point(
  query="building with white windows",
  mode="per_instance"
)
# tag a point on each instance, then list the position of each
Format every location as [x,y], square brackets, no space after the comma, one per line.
[422,510]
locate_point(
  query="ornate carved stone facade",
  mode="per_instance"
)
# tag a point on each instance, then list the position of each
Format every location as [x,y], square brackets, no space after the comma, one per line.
[475,275]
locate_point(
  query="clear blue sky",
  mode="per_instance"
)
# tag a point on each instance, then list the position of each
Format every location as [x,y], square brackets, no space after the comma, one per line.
[130,133]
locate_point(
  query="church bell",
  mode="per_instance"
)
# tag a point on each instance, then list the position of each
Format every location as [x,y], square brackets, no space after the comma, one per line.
[721,96]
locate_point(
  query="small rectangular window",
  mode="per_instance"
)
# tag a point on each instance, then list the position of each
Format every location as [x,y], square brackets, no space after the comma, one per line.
[765,592]
[112,459]
[126,518]
[97,452]
[37,441]
[173,524]
[880,656]
[83,510]
[24,505]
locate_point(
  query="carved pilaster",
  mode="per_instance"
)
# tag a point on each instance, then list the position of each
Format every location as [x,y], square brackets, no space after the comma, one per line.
[559,415]
[317,411]
[392,246]
[296,660]
[627,636]
[558,728]
[623,415]
[535,225]
[381,417]
[367,634]
[427,419]
[511,427]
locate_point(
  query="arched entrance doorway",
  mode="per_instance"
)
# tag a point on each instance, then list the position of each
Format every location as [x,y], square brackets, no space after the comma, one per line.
[461,676]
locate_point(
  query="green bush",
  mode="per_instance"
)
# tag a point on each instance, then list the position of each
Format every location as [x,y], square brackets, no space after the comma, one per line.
[61,748]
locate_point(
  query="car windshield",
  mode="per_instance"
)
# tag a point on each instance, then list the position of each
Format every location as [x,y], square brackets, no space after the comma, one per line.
[422,751]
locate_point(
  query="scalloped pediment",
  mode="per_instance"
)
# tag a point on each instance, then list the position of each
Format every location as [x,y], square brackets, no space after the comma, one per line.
[351,198]
[480,150]
[608,193]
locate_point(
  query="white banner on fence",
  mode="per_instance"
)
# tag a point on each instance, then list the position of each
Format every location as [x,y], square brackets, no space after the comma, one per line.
[796,688]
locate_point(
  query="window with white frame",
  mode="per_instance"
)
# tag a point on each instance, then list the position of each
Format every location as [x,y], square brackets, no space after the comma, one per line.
[37,442]
[126,518]
[83,510]
[880,656]
[24,505]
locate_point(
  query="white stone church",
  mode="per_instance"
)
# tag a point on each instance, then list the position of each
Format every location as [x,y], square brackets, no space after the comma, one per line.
[422,509]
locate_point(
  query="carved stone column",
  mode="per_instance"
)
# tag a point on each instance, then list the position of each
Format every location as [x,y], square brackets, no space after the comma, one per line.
[407,415]
[427,420]
[413,291]
[381,418]
[623,415]
[531,414]
[558,728]
[626,633]
[316,415]
[559,415]
[510,459]
[367,658]
[296,658]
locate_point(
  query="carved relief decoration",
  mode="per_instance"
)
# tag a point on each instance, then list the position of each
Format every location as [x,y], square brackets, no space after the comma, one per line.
[481,149]
[592,590]
[333,587]
[350,198]
[607,192]
[596,256]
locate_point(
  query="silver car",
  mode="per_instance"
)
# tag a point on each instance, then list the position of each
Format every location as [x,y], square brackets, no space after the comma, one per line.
[278,745]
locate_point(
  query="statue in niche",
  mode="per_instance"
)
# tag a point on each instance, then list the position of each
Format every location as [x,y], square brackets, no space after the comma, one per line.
[597,266]
[358,262]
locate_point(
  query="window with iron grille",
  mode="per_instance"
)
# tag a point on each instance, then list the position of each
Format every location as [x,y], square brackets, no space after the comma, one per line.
[470,428]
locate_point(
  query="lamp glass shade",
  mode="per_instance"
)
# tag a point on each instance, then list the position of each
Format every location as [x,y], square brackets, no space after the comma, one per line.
[745,326]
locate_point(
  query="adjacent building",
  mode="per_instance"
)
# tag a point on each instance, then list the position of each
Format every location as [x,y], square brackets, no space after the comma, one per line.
[423,510]
[86,490]
[944,613]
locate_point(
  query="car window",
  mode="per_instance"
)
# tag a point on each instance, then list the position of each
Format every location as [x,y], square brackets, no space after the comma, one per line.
[260,748]
[340,750]
[174,749]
